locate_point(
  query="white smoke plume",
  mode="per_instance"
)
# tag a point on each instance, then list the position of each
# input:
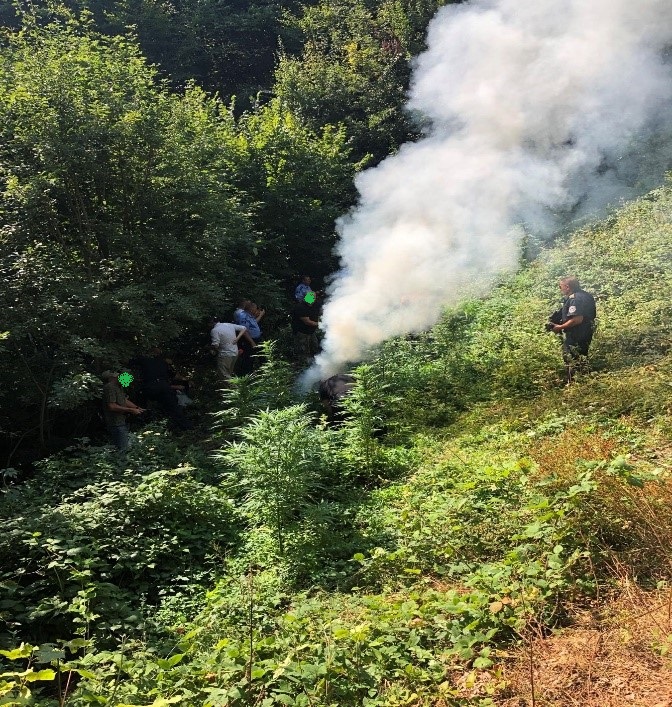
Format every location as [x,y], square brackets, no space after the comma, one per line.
[536,111]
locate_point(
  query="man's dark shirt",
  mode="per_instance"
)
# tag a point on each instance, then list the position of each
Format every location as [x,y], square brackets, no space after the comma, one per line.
[579,304]
[303,309]
[153,369]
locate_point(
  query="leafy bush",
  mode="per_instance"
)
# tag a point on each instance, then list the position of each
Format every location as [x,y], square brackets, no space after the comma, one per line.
[92,556]
[270,388]
[277,467]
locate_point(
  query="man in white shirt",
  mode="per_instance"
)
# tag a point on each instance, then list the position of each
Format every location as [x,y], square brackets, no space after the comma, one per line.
[224,338]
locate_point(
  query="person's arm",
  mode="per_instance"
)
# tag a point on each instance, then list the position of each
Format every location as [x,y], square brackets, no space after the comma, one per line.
[309,322]
[129,407]
[134,408]
[214,342]
[245,334]
[572,322]
[260,315]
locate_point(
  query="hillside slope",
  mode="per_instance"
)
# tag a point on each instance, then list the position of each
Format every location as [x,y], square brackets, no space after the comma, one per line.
[499,545]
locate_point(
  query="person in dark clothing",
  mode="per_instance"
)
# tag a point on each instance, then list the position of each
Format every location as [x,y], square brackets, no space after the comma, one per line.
[332,391]
[575,321]
[156,373]
[304,327]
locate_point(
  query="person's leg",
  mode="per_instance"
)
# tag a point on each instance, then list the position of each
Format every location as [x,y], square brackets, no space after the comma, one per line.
[119,436]
[302,348]
[575,355]
[568,358]
[225,366]
[244,363]
[583,363]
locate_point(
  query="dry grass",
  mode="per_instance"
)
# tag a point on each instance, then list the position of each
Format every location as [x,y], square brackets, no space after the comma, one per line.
[621,657]
[559,454]
[632,524]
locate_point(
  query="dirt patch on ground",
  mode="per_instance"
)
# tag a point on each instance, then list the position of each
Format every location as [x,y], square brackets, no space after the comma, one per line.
[621,657]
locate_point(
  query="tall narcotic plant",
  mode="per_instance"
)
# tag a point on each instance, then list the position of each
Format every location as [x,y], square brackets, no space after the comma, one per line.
[275,465]
[364,422]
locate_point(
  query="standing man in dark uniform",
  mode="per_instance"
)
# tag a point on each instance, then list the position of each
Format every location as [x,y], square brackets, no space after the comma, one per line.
[576,321]
[305,322]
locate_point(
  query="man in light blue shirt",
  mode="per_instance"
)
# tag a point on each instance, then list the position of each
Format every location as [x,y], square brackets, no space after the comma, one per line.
[303,288]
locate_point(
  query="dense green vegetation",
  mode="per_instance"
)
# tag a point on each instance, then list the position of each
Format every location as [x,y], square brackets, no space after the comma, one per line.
[309,565]
[267,558]
[134,204]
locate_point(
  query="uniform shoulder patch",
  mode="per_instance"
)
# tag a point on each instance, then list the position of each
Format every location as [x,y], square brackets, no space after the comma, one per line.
[572,309]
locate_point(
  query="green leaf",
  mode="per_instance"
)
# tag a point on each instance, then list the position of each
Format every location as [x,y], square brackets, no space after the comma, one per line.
[170,662]
[86,673]
[41,675]
[23,651]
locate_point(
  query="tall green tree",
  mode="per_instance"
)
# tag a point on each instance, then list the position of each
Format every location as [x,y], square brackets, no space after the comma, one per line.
[301,180]
[226,46]
[119,221]
[355,69]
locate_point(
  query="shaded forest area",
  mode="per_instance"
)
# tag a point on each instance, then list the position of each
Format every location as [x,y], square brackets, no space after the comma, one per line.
[158,161]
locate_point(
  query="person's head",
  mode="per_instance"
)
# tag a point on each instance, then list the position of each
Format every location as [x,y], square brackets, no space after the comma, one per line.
[306,279]
[155,351]
[110,375]
[569,285]
[243,304]
[250,307]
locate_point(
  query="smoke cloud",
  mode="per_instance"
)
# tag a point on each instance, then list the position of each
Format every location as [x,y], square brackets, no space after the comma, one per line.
[537,112]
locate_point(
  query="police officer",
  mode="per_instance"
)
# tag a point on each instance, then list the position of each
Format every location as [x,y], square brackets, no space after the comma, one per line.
[575,321]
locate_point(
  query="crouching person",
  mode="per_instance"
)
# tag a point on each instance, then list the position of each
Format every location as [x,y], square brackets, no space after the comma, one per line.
[331,392]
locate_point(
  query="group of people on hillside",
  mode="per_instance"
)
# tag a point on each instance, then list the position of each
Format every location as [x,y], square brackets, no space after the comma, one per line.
[234,344]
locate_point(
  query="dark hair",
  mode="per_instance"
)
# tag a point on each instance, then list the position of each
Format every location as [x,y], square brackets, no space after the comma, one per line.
[572,282]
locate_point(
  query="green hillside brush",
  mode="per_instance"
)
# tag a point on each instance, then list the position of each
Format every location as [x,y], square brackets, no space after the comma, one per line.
[276,467]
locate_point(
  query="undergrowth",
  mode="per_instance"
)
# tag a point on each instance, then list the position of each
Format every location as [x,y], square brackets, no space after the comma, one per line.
[466,498]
